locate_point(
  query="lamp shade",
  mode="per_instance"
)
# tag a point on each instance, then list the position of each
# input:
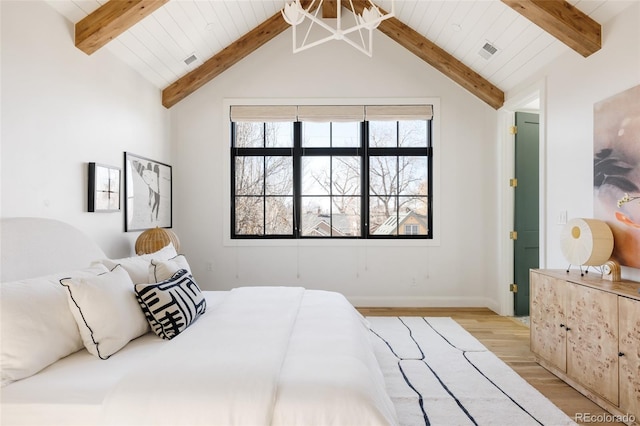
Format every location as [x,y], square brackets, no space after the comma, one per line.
[154,239]
[586,242]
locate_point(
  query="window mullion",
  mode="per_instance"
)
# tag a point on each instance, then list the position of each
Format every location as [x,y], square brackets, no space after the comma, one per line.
[430,181]
[398,146]
[364,179]
[233,181]
[398,191]
[331,180]
[264,180]
[297,178]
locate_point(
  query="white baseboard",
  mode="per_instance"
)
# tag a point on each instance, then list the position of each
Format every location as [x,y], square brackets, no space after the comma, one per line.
[423,302]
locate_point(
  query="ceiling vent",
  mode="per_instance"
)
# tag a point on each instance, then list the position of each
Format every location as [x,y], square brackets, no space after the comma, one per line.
[487,51]
[190,59]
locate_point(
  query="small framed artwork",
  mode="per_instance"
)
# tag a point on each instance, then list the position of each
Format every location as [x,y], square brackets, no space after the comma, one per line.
[148,193]
[104,188]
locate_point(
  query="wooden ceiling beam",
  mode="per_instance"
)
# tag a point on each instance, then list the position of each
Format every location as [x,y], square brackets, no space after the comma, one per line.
[426,50]
[110,20]
[563,21]
[438,58]
[223,60]
[330,9]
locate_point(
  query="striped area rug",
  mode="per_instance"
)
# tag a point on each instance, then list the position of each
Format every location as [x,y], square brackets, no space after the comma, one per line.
[438,374]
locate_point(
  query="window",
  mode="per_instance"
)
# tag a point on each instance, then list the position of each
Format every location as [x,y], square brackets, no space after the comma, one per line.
[331,172]
[411,229]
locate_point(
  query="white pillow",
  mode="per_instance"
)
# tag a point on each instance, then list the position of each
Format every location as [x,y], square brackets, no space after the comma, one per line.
[106,311]
[36,325]
[138,266]
[160,270]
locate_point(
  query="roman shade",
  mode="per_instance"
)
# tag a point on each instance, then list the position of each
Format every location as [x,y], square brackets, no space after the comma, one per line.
[334,113]
[329,113]
[263,113]
[398,112]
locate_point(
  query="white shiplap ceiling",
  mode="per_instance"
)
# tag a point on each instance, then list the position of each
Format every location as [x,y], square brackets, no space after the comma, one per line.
[158,45]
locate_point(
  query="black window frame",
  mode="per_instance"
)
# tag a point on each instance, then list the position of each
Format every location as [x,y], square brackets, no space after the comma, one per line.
[297,152]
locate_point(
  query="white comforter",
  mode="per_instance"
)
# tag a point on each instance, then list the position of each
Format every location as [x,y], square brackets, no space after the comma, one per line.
[279,356]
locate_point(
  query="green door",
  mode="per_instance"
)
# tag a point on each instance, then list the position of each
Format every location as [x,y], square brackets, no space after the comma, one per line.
[526,220]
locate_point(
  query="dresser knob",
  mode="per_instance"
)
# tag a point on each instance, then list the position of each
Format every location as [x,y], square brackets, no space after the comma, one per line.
[562,325]
[620,353]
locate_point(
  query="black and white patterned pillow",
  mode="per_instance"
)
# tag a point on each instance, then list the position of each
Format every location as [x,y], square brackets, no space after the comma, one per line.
[171,305]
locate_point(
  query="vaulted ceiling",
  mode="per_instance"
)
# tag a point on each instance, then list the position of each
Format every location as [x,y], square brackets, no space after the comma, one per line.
[486,46]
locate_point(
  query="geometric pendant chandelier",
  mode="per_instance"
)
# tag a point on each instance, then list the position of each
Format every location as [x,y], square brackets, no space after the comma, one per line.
[358,31]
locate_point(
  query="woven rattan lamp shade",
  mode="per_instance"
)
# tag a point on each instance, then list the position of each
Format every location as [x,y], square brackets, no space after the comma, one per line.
[154,239]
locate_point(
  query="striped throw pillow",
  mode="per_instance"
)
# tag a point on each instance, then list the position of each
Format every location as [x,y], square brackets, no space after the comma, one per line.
[172,305]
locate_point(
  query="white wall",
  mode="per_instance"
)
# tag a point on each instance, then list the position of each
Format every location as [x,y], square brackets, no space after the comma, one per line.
[454,272]
[573,85]
[62,109]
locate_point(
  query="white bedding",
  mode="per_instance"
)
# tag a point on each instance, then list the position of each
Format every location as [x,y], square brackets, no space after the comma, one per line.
[322,372]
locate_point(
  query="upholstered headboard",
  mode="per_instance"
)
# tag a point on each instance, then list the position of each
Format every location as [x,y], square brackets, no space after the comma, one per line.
[32,247]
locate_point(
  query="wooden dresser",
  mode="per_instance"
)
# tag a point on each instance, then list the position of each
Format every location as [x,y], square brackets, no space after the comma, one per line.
[586,331]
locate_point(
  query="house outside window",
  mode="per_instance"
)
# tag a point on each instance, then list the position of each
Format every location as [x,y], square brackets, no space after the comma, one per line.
[331,172]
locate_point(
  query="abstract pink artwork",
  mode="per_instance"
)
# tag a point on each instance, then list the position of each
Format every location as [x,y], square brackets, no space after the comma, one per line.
[616,172]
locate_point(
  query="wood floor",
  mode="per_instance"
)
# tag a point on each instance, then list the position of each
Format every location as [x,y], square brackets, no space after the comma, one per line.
[508,338]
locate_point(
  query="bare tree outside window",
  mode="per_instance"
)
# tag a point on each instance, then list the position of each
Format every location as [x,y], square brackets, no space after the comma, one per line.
[263,184]
[331,184]
[332,189]
[398,184]
[249,135]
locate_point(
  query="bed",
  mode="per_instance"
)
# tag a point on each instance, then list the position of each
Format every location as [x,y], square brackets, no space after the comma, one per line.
[249,356]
